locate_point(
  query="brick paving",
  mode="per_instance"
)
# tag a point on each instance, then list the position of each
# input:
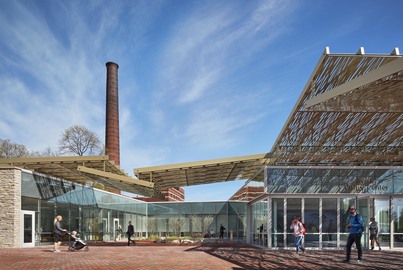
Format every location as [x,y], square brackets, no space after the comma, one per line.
[216,256]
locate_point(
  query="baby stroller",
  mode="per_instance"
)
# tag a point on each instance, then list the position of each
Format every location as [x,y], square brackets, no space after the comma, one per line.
[77,242]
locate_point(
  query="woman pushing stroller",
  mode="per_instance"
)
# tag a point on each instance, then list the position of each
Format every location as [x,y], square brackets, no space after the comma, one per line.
[58,233]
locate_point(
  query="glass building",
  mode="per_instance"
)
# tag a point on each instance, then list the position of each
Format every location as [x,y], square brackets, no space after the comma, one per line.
[97,214]
[321,196]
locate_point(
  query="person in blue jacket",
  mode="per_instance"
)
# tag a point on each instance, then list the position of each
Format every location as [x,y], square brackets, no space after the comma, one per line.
[355,226]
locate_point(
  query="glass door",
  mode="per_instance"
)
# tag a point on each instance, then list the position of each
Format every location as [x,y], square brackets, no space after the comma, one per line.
[329,222]
[382,216]
[28,228]
[277,226]
[105,229]
[312,222]
[117,229]
[398,222]
[363,209]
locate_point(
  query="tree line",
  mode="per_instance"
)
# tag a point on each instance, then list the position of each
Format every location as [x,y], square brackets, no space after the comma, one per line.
[75,140]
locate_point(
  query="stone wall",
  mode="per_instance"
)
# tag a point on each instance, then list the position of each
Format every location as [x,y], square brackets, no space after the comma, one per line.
[10,208]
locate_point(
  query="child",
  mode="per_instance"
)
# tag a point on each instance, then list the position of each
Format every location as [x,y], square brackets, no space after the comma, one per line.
[73,235]
[77,242]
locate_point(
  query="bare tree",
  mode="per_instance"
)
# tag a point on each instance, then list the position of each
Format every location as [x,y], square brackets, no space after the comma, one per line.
[79,140]
[196,222]
[12,150]
[176,224]
[207,220]
[152,225]
[48,152]
[200,224]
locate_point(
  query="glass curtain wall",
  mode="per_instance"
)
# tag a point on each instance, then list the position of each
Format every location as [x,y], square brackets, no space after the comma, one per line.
[321,196]
[258,228]
[197,219]
[103,216]
[325,218]
[95,214]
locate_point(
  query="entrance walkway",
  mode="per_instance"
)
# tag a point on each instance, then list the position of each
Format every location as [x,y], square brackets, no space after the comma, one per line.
[188,257]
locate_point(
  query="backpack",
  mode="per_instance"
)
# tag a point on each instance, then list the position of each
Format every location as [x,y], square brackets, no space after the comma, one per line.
[303,229]
[356,220]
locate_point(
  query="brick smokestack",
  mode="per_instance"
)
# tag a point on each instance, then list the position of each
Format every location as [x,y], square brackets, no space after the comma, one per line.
[112,147]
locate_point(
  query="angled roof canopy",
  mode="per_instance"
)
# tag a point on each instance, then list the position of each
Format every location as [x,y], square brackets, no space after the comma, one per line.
[202,172]
[84,169]
[349,113]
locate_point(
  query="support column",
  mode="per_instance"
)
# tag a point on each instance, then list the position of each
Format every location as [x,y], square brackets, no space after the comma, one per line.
[10,204]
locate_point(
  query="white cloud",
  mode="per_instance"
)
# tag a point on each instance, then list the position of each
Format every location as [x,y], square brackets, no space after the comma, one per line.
[60,88]
[210,44]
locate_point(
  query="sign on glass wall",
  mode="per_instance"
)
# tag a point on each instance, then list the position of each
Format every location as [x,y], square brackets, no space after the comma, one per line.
[333,180]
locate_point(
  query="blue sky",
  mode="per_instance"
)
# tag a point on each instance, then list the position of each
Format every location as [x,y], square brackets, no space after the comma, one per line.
[198,80]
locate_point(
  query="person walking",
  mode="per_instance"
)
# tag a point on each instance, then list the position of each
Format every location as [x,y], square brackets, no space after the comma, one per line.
[58,233]
[373,233]
[330,229]
[222,229]
[119,233]
[298,230]
[130,233]
[261,231]
[355,226]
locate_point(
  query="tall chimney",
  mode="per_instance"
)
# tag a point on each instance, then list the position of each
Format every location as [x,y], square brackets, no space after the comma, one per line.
[112,147]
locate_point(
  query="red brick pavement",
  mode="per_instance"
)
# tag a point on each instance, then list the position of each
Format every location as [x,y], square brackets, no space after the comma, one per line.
[214,256]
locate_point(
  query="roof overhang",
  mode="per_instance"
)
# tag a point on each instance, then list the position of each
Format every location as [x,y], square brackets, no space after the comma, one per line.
[83,169]
[349,113]
[202,172]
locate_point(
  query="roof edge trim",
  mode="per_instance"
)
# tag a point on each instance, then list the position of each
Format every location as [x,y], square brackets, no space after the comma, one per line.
[197,163]
[126,179]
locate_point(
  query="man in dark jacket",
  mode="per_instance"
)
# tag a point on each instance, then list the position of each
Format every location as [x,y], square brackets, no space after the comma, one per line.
[130,232]
[222,229]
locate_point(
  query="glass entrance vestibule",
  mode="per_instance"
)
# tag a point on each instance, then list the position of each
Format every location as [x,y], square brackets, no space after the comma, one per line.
[325,218]
[375,193]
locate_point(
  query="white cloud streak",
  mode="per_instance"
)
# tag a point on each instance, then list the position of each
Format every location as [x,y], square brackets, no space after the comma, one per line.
[205,49]
[60,82]
[210,44]
[62,60]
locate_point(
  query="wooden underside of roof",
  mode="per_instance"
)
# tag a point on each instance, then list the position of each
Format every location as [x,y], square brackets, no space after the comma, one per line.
[202,172]
[358,126]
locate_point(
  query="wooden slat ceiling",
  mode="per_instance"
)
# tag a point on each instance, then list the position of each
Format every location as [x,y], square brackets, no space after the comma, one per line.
[363,126]
[203,172]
